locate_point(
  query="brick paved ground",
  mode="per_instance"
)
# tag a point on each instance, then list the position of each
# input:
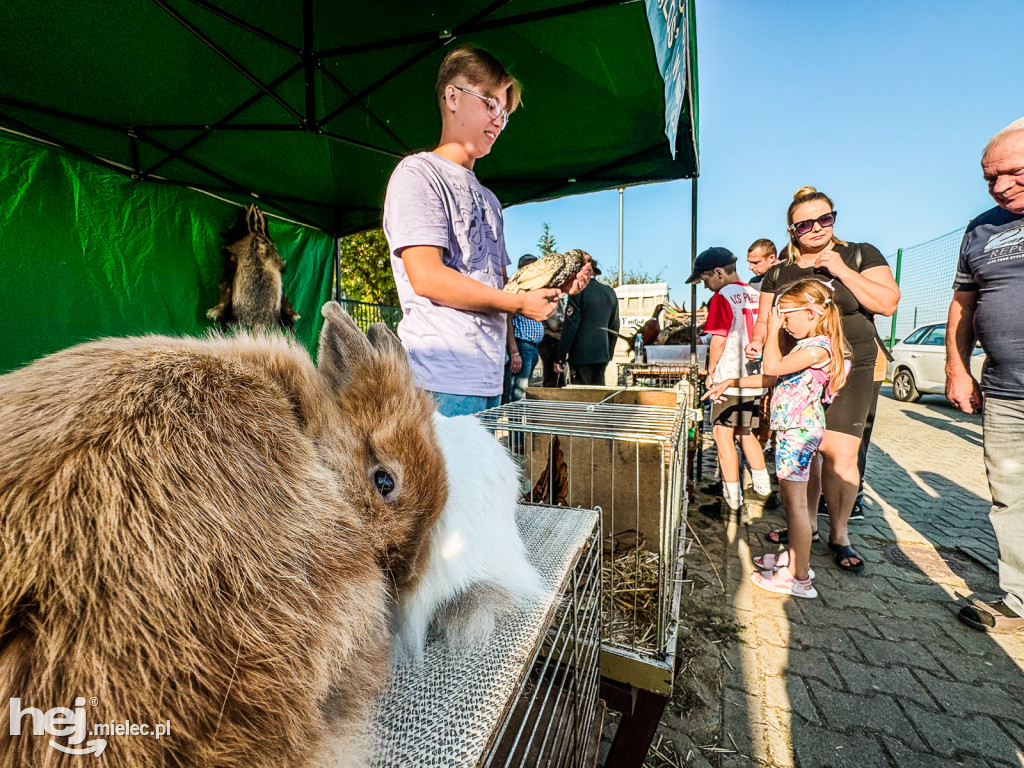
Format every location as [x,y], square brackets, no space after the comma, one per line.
[877,671]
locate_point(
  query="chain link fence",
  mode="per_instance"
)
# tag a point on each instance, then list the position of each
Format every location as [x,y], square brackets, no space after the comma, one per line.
[925,275]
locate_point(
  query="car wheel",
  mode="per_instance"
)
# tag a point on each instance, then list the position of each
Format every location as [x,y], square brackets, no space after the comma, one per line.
[904,388]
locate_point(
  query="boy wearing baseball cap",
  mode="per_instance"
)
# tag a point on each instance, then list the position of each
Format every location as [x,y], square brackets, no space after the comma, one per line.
[732,313]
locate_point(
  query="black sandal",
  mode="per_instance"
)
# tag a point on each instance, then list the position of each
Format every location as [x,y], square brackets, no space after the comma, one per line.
[842,552]
[781,536]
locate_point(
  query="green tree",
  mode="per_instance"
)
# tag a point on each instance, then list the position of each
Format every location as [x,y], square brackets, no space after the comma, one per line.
[366,268]
[547,243]
[631,277]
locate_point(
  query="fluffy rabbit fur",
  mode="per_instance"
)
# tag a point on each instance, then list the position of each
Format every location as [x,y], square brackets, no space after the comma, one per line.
[210,531]
[477,567]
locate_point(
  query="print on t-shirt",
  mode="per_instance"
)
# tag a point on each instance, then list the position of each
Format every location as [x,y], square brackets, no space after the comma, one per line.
[732,313]
[1006,244]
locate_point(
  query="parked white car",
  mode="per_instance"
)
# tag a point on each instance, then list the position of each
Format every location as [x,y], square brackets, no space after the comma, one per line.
[919,364]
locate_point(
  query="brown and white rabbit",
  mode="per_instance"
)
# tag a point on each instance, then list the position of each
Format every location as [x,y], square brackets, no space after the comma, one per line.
[477,569]
[208,532]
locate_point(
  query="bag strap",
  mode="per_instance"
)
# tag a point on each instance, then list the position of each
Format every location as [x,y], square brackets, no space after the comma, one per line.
[858,259]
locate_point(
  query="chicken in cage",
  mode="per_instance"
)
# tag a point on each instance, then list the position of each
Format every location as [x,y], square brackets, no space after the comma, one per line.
[629,460]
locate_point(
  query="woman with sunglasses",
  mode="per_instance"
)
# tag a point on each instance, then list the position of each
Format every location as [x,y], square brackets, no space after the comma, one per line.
[864,287]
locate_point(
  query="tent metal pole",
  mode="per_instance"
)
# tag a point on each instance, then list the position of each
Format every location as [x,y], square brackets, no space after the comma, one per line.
[471,27]
[621,190]
[324,72]
[207,131]
[228,58]
[61,114]
[38,135]
[133,147]
[308,58]
[360,144]
[245,25]
[243,127]
[337,269]
[693,287]
[438,42]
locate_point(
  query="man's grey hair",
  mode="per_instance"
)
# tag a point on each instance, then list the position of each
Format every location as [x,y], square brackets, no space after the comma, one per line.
[1017,126]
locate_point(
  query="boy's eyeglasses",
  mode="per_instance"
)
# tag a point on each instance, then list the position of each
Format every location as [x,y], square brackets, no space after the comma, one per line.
[803,227]
[494,108]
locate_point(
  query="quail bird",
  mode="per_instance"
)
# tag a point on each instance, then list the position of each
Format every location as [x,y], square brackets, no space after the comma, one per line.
[549,271]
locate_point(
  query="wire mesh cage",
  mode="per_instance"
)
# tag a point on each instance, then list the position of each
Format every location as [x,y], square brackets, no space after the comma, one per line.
[656,375]
[531,697]
[628,460]
[683,378]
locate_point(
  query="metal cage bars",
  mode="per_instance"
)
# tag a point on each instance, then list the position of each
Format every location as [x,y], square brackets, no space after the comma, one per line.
[554,731]
[518,424]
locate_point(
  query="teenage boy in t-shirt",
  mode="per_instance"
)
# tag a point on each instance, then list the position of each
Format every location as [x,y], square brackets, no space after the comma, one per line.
[444,231]
[732,313]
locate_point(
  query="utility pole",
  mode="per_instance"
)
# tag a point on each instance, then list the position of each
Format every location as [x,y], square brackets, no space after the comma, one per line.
[621,191]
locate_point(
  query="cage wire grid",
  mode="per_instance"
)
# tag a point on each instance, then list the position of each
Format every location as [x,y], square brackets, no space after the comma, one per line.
[531,690]
[624,449]
[653,375]
[567,664]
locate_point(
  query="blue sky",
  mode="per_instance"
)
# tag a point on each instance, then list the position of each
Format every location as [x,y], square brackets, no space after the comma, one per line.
[884,106]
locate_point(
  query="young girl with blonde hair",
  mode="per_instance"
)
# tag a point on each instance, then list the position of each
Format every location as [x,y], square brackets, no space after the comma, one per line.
[804,379]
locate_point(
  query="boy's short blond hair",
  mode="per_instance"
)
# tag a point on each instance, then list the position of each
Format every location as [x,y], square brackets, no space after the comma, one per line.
[480,68]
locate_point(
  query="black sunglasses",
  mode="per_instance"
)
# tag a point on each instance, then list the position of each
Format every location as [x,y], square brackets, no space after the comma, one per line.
[803,227]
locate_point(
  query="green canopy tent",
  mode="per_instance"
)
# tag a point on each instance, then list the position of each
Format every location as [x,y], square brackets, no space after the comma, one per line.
[304,107]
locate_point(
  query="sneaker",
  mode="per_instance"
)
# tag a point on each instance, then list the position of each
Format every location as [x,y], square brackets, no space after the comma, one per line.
[858,508]
[781,582]
[856,514]
[995,617]
[774,502]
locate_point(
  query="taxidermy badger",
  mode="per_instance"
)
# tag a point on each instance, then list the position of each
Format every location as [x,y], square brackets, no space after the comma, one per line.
[251,293]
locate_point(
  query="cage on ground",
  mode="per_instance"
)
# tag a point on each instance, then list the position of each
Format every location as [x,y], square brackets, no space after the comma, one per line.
[623,451]
[530,698]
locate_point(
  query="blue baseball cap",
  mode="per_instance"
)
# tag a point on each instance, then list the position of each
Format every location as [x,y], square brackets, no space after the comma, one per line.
[708,260]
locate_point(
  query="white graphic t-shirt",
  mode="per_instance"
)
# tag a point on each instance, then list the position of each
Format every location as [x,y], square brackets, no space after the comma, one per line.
[434,201]
[732,313]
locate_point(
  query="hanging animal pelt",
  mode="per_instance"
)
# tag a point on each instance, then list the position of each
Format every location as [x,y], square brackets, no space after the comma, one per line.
[251,292]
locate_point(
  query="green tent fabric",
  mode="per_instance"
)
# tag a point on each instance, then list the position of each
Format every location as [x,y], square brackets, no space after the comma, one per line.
[89,253]
[308,105]
[116,113]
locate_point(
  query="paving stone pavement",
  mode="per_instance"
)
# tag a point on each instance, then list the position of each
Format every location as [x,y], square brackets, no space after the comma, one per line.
[877,671]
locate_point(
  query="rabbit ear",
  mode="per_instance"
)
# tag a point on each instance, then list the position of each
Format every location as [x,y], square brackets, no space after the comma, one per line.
[384,341]
[343,347]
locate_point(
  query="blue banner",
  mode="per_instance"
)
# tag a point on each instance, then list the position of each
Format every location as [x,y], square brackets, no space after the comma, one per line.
[669,31]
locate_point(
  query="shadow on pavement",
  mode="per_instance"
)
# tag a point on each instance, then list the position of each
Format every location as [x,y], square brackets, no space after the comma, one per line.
[970,436]
[876,671]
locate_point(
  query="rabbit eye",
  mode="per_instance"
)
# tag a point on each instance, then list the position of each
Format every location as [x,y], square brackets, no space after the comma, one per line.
[383,482]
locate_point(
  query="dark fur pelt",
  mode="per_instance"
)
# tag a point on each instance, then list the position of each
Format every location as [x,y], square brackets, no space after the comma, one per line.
[251,291]
[199,531]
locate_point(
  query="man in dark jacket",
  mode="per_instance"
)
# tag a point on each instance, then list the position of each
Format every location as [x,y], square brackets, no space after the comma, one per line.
[589,332]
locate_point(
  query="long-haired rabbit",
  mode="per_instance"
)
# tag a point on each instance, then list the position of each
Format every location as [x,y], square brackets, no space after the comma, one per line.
[209,532]
[477,568]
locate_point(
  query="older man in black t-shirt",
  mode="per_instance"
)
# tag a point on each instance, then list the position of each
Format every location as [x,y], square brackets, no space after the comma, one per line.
[986,305]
